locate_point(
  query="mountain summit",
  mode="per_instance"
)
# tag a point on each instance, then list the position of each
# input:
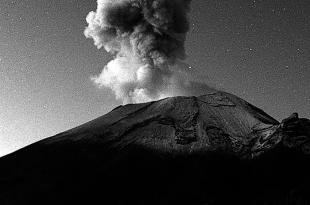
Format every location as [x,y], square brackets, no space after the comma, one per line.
[211,149]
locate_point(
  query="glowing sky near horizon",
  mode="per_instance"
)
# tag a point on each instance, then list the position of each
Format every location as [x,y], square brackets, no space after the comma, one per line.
[256,49]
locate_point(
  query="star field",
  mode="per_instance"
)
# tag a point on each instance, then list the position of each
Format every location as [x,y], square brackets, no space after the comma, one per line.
[258,50]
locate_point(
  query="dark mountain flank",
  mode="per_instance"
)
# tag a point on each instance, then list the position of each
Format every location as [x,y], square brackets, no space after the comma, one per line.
[206,150]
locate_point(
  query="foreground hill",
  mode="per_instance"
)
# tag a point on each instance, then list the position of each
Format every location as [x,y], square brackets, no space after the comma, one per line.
[211,149]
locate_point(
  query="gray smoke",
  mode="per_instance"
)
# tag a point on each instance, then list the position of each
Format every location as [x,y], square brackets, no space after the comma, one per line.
[147,39]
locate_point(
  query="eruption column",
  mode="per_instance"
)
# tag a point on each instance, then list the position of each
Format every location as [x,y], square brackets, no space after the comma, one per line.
[146,38]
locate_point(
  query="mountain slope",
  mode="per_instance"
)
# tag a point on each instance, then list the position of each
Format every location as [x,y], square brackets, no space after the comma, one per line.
[211,149]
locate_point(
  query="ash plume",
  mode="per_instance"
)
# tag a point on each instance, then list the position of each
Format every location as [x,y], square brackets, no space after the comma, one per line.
[146,38]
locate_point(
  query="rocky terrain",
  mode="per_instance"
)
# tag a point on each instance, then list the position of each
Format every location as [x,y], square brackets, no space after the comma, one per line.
[211,149]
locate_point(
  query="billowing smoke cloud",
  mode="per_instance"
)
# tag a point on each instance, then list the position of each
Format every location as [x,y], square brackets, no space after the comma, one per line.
[147,39]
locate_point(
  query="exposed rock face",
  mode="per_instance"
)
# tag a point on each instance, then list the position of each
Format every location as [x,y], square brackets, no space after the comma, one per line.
[212,149]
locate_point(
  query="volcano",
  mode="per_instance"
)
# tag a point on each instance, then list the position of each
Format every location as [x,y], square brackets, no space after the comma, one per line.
[211,149]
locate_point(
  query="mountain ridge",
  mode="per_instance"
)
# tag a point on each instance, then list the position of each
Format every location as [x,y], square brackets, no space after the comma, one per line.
[211,145]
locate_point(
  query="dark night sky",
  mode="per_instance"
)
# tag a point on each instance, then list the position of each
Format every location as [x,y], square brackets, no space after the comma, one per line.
[258,50]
